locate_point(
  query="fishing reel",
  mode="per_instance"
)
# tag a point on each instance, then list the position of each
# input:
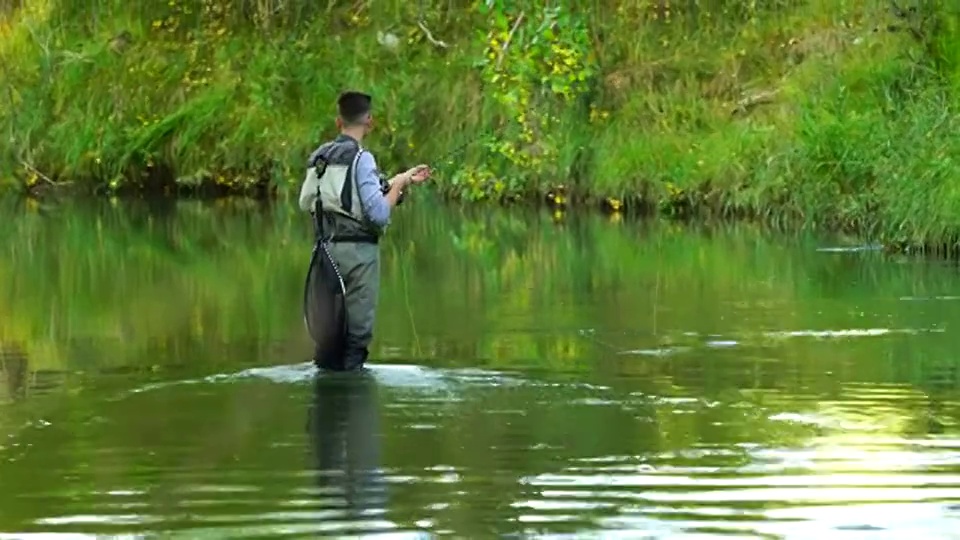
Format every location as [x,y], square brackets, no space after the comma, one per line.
[385,187]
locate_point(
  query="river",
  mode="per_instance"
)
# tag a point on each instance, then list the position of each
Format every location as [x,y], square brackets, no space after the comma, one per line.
[532,376]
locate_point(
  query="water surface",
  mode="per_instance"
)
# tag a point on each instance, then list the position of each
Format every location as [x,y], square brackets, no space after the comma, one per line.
[533,377]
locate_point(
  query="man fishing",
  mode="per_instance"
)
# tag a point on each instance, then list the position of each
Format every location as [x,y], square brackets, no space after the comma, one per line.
[355,211]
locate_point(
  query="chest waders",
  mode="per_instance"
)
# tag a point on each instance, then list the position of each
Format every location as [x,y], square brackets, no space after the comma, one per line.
[342,287]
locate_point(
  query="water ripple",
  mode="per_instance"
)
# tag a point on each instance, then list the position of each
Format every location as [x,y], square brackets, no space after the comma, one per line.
[519,457]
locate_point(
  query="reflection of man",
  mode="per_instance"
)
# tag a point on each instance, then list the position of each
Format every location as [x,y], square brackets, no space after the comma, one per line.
[344,433]
[13,368]
[356,210]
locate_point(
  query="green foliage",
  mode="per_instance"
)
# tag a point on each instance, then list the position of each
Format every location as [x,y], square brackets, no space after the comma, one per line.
[535,64]
[827,113]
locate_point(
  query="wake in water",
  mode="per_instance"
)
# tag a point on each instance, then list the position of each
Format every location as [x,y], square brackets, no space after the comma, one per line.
[400,376]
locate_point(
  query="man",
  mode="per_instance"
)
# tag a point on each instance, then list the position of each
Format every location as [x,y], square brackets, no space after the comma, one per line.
[355,210]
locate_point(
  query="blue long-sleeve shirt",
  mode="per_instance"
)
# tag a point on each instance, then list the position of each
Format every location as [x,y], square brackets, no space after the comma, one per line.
[375,205]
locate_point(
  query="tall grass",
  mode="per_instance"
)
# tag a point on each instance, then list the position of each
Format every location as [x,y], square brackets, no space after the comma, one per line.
[832,113]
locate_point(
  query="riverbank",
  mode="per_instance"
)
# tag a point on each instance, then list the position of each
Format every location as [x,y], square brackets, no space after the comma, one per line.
[814,113]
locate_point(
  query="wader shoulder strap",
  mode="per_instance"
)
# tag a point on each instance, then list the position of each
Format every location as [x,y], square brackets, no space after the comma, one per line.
[346,194]
[320,167]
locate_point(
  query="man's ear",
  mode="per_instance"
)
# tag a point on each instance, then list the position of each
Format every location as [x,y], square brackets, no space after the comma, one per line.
[339,122]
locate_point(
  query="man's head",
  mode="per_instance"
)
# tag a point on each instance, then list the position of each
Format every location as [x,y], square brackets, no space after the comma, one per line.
[353,113]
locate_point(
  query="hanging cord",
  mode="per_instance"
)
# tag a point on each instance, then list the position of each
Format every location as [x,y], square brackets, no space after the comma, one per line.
[406,298]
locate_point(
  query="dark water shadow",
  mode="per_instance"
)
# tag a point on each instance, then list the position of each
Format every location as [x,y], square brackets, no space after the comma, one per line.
[344,429]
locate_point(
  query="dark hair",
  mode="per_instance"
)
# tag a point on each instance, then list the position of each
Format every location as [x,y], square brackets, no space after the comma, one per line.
[352,106]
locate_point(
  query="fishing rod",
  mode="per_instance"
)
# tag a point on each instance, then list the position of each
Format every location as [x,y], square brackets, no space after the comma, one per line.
[457,150]
[385,186]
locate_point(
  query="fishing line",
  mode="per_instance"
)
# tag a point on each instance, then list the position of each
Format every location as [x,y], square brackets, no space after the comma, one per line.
[656,286]
[444,158]
[590,335]
[406,299]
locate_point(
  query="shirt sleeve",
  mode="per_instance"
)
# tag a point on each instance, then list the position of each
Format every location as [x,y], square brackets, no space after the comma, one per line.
[374,204]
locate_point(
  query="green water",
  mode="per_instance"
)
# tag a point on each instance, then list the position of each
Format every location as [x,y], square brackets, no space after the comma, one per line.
[531,377]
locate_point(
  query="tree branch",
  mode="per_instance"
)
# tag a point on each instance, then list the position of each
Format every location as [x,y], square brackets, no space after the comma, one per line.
[429,35]
[506,43]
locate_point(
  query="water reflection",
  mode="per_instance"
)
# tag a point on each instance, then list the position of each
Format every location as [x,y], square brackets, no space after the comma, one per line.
[343,424]
[14,368]
[596,378]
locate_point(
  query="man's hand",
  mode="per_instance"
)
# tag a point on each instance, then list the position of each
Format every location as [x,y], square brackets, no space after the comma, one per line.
[418,174]
[399,182]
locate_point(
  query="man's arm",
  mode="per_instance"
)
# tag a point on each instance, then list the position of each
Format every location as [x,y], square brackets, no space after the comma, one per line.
[376,205]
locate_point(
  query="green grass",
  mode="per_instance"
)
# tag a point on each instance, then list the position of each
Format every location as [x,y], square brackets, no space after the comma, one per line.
[230,96]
